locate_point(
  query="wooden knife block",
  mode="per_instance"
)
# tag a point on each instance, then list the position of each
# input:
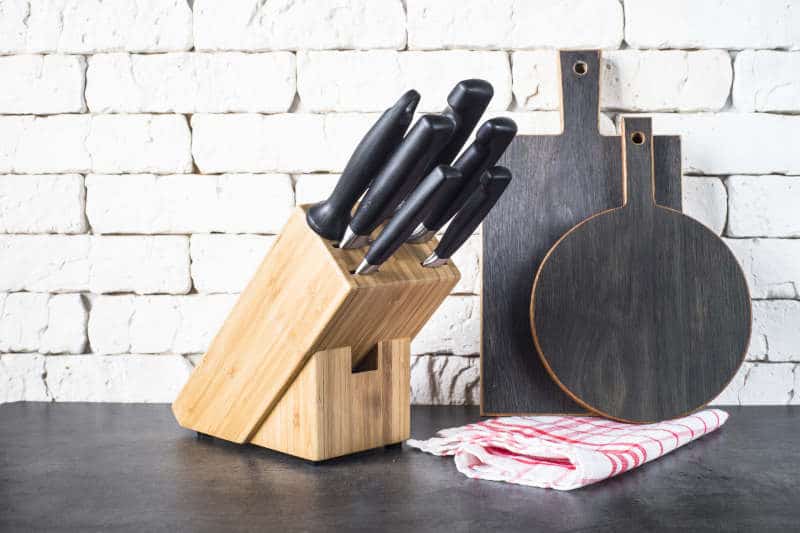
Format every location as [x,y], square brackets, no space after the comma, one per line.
[314,361]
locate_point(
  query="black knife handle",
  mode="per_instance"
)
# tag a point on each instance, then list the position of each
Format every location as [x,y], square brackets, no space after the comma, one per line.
[398,229]
[404,168]
[465,104]
[492,185]
[331,217]
[491,140]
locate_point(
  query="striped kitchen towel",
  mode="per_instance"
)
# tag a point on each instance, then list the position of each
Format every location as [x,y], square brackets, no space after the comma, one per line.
[563,452]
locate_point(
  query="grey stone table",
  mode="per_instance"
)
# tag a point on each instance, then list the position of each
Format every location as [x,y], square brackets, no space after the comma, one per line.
[84,467]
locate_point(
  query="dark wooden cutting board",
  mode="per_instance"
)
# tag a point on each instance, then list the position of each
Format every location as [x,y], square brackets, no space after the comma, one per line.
[640,313]
[559,180]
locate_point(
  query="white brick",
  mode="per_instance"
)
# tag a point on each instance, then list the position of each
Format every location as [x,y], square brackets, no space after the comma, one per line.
[191,83]
[517,24]
[454,328]
[445,380]
[156,324]
[225,263]
[116,378]
[44,263]
[762,384]
[22,378]
[43,323]
[468,260]
[42,85]
[771,266]
[706,200]
[313,188]
[731,24]
[140,264]
[372,80]
[188,203]
[764,206]
[730,143]
[79,26]
[632,80]
[298,24]
[300,142]
[775,335]
[42,204]
[767,81]
[100,143]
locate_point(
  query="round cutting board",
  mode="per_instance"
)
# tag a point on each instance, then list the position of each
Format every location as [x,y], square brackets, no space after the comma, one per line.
[640,313]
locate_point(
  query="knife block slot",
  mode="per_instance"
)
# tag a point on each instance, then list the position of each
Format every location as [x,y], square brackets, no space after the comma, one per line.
[312,360]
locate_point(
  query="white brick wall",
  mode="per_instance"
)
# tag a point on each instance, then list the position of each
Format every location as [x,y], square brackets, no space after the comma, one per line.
[150,151]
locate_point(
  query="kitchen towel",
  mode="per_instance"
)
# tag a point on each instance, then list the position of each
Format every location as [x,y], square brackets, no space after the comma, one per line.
[563,452]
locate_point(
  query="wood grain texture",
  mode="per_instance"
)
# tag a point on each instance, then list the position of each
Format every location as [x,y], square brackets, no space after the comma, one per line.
[559,180]
[303,300]
[330,411]
[641,313]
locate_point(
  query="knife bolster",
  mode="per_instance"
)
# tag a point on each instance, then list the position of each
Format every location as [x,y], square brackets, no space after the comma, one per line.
[280,371]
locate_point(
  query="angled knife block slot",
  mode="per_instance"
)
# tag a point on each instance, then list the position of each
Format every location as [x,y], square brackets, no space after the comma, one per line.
[314,361]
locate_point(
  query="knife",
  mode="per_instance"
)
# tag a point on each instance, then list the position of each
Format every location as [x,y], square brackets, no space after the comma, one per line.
[405,166]
[491,140]
[405,220]
[492,185]
[329,218]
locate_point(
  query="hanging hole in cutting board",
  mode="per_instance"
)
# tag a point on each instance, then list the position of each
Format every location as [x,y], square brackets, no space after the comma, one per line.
[580,68]
[637,137]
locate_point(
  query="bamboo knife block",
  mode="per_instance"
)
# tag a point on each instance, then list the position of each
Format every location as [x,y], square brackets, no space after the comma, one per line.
[314,361]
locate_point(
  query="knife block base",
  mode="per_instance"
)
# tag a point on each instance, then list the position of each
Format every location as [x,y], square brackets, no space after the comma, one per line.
[312,360]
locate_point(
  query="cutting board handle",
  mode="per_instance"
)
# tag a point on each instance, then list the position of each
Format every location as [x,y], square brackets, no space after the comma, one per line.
[637,170]
[580,91]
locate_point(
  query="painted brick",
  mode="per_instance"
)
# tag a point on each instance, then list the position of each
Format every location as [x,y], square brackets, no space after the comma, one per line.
[775,335]
[225,263]
[140,264]
[454,328]
[731,143]
[312,188]
[706,200]
[42,204]
[519,24]
[734,24]
[445,380]
[156,324]
[116,378]
[767,81]
[301,142]
[44,263]
[99,143]
[77,26]
[771,266]
[191,83]
[46,323]
[762,384]
[372,80]
[632,80]
[764,206]
[42,85]
[188,203]
[468,260]
[22,378]
[298,24]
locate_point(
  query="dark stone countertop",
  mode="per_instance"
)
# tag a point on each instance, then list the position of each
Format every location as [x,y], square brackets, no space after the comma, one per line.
[86,467]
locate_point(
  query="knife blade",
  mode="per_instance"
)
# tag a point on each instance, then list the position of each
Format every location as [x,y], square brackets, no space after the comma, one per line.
[405,220]
[405,166]
[491,187]
[491,140]
[330,217]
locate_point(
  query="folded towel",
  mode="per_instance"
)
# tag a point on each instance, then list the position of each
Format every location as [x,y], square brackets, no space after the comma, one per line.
[563,452]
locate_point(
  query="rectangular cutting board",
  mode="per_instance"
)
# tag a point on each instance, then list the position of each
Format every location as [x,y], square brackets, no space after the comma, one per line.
[559,180]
